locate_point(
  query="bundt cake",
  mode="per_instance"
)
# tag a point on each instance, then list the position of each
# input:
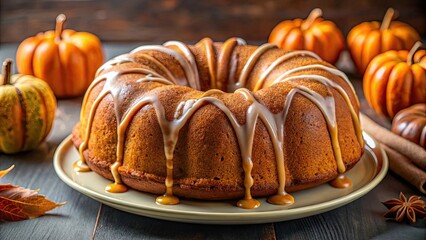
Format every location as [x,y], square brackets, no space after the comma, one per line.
[218,121]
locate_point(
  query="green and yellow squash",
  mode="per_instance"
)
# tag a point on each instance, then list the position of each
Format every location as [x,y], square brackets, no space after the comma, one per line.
[27,110]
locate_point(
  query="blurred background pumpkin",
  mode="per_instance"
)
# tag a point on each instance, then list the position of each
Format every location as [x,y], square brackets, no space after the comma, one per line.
[368,39]
[314,34]
[67,60]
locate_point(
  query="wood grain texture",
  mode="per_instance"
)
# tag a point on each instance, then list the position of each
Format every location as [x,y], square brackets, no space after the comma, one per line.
[138,227]
[162,20]
[362,219]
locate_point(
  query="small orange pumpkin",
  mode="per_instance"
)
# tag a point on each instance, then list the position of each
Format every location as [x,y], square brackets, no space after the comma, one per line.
[368,39]
[314,34]
[410,123]
[67,60]
[395,80]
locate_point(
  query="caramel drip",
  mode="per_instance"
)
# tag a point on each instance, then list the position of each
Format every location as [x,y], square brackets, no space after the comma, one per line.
[248,203]
[275,127]
[194,81]
[341,182]
[277,62]
[115,61]
[110,87]
[326,81]
[211,60]
[84,144]
[327,107]
[170,132]
[248,67]
[224,59]
[80,166]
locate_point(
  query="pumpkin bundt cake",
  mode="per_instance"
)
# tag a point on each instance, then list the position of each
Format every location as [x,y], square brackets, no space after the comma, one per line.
[218,121]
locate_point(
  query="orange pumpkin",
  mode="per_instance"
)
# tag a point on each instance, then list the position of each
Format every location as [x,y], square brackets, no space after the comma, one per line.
[410,123]
[314,34]
[368,39]
[67,60]
[395,80]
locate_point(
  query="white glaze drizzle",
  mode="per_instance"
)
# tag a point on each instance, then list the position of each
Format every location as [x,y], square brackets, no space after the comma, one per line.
[326,81]
[163,68]
[194,81]
[327,106]
[248,67]
[115,61]
[186,66]
[280,60]
[322,67]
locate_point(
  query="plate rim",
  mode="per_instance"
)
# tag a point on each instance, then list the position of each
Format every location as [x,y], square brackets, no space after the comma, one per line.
[371,145]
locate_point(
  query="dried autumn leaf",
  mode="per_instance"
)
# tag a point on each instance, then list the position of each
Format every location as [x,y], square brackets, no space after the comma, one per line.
[10,211]
[4,172]
[18,203]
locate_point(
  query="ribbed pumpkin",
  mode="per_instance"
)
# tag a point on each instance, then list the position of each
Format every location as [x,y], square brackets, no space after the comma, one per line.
[314,34]
[369,39]
[410,123]
[67,60]
[27,111]
[395,80]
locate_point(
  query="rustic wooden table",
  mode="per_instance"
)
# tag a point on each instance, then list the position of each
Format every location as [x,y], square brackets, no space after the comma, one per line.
[84,218]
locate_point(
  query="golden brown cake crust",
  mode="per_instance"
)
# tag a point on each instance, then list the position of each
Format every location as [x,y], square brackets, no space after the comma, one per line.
[207,159]
[194,188]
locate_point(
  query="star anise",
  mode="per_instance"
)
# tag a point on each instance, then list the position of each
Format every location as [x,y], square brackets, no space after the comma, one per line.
[400,208]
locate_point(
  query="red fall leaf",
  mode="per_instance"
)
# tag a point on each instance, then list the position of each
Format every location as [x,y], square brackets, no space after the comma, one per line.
[18,203]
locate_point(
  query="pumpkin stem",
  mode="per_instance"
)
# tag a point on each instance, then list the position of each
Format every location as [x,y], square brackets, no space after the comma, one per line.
[6,71]
[417,46]
[387,19]
[315,13]
[60,20]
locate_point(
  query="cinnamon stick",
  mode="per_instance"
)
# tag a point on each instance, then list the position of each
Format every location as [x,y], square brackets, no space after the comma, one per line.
[412,151]
[402,166]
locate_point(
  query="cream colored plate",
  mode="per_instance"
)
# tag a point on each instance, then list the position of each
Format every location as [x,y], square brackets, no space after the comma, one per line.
[365,176]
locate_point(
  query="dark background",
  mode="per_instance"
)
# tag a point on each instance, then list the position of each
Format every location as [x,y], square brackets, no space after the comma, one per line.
[162,20]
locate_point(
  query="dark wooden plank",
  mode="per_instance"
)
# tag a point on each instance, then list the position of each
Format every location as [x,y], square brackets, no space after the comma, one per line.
[162,20]
[34,170]
[115,224]
[362,219]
